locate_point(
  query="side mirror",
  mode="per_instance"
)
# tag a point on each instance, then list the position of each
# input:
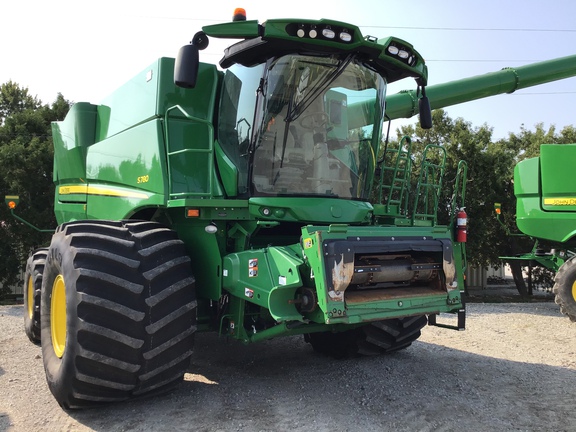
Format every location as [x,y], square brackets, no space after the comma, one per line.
[425,113]
[186,66]
[188,62]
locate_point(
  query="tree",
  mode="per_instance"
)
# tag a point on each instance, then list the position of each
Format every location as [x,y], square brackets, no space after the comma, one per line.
[14,99]
[26,163]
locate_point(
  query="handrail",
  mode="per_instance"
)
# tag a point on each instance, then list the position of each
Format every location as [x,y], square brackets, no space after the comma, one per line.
[397,182]
[430,181]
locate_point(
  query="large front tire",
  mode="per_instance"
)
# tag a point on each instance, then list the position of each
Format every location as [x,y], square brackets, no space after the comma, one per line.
[118,312]
[380,337]
[32,291]
[565,288]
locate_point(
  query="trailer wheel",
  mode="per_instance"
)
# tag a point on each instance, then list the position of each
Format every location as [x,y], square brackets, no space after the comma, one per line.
[565,288]
[380,337]
[32,290]
[118,312]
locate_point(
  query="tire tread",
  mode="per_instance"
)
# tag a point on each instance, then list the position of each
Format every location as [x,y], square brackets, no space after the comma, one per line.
[133,294]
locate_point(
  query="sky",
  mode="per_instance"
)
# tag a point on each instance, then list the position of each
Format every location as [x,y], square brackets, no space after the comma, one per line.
[85,50]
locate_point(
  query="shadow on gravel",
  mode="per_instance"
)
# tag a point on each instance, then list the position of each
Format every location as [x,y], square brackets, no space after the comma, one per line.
[14,310]
[281,385]
[4,421]
[548,309]
[506,294]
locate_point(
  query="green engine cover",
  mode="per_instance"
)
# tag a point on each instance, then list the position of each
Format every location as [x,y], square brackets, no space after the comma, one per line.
[545,189]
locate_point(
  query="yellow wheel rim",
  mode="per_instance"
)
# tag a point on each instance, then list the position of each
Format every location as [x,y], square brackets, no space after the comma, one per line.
[58,316]
[30,304]
[574,291]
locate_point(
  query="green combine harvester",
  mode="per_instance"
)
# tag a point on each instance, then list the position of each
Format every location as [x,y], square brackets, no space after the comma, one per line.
[253,201]
[545,190]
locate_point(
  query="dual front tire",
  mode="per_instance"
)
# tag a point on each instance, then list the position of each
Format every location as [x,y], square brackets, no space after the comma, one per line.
[379,337]
[32,291]
[565,288]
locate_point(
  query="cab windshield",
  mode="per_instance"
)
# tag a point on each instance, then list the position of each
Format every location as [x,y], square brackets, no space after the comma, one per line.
[302,126]
[319,126]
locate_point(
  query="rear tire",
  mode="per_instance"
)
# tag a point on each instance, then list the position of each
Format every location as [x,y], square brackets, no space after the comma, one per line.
[379,337]
[32,290]
[565,288]
[118,312]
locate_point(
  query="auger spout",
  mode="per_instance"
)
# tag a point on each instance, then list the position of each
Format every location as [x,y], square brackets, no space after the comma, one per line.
[507,80]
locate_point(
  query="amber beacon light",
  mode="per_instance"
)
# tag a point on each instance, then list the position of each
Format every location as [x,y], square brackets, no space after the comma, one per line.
[239,14]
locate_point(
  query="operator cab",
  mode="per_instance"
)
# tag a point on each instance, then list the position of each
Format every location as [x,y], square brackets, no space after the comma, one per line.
[302,104]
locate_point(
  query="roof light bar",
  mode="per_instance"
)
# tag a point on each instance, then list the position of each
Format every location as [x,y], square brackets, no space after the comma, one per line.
[320,31]
[402,53]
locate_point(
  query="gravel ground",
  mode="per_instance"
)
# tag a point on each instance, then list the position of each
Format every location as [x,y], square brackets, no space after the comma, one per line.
[513,369]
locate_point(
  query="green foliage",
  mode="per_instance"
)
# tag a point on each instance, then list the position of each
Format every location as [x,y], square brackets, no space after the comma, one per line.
[543,278]
[14,99]
[26,162]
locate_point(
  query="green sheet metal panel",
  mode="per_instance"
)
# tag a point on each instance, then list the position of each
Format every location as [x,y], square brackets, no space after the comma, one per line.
[135,159]
[557,166]
[527,191]
[310,210]
[151,92]
[68,211]
[72,137]
[267,277]
[204,250]
[532,218]
[127,172]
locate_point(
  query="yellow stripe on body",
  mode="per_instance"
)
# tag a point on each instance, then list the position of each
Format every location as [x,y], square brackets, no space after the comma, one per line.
[99,190]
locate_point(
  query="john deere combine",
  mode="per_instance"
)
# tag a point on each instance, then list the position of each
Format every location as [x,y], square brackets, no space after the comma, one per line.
[545,189]
[241,201]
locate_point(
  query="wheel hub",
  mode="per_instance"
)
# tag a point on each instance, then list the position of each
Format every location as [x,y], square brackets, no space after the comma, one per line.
[30,305]
[58,316]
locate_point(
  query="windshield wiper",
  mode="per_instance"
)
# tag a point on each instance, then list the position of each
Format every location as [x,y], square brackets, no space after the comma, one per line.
[300,107]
